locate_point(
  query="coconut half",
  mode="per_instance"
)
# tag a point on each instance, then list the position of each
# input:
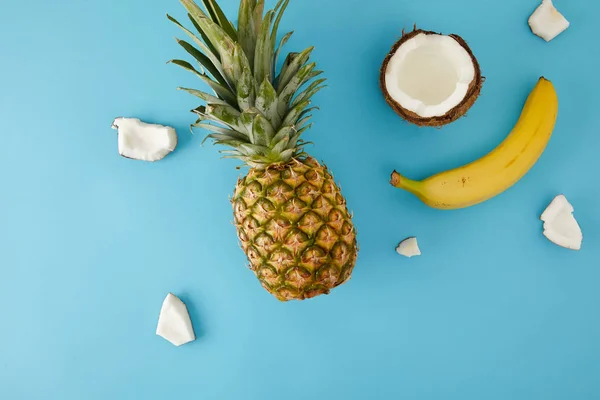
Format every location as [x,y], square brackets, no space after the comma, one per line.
[139,140]
[431,79]
[560,226]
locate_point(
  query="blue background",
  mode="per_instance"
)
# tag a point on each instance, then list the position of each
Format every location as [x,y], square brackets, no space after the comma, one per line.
[91,243]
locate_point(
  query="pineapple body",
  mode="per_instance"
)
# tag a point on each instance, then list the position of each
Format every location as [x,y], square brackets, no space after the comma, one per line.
[295,228]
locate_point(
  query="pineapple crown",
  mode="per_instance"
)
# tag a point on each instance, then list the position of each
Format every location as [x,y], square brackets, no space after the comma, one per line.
[256,112]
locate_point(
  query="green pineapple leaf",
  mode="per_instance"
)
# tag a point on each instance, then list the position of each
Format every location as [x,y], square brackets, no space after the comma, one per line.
[294,113]
[246,30]
[313,75]
[299,148]
[291,69]
[220,130]
[205,45]
[289,59]
[281,145]
[287,155]
[223,142]
[281,6]
[219,18]
[259,10]
[203,60]
[210,13]
[266,102]
[282,43]
[262,130]
[204,96]
[223,139]
[294,139]
[231,135]
[249,149]
[313,89]
[220,138]
[263,58]
[247,119]
[220,90]
[229,69]
[246,94]
[303,121]
[204,116]
[308,110]
[185,65]
[231,154]
[240,62]
[302,130]
[209,45]
[215,34]
[286,95]
[286,131]
[227,115]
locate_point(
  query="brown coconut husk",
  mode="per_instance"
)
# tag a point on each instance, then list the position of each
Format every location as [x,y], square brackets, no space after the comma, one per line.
[457,112]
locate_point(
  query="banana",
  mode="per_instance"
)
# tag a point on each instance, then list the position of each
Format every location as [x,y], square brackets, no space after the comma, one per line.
[493,174]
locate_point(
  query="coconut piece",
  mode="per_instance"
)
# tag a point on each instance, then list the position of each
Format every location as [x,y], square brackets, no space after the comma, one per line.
[409,248]
[560,226]
[142,141]
[174,323]
[546,22]
[430,79]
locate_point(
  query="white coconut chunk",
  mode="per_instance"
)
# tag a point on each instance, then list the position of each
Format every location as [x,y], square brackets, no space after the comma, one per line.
[142,141]
[409,248]
[546,22]
[174,323]
[430,75]
[560,226]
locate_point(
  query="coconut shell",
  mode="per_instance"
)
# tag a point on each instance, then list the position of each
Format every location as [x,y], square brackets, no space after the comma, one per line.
[457,112]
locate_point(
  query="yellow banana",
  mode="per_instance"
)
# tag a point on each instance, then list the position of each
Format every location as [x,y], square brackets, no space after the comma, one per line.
[491,175]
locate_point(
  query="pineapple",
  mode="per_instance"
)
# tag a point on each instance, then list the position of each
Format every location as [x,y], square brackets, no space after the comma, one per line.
[290,215]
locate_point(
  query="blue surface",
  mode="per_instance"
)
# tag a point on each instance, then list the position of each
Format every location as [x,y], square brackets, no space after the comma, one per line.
[91,243]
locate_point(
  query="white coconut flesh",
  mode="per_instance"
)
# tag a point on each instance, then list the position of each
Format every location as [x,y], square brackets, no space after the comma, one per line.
[547,22]
[429,75]
[174,323]
[409,248]
[142,141]
[560,226]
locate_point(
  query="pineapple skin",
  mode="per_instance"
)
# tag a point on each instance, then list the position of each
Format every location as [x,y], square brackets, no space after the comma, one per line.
[295,228]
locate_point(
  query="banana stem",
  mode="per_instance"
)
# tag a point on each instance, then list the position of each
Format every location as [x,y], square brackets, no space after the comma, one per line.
[404,183]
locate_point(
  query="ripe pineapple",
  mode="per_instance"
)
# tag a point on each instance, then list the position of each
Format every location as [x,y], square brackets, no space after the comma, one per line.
[291,218]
